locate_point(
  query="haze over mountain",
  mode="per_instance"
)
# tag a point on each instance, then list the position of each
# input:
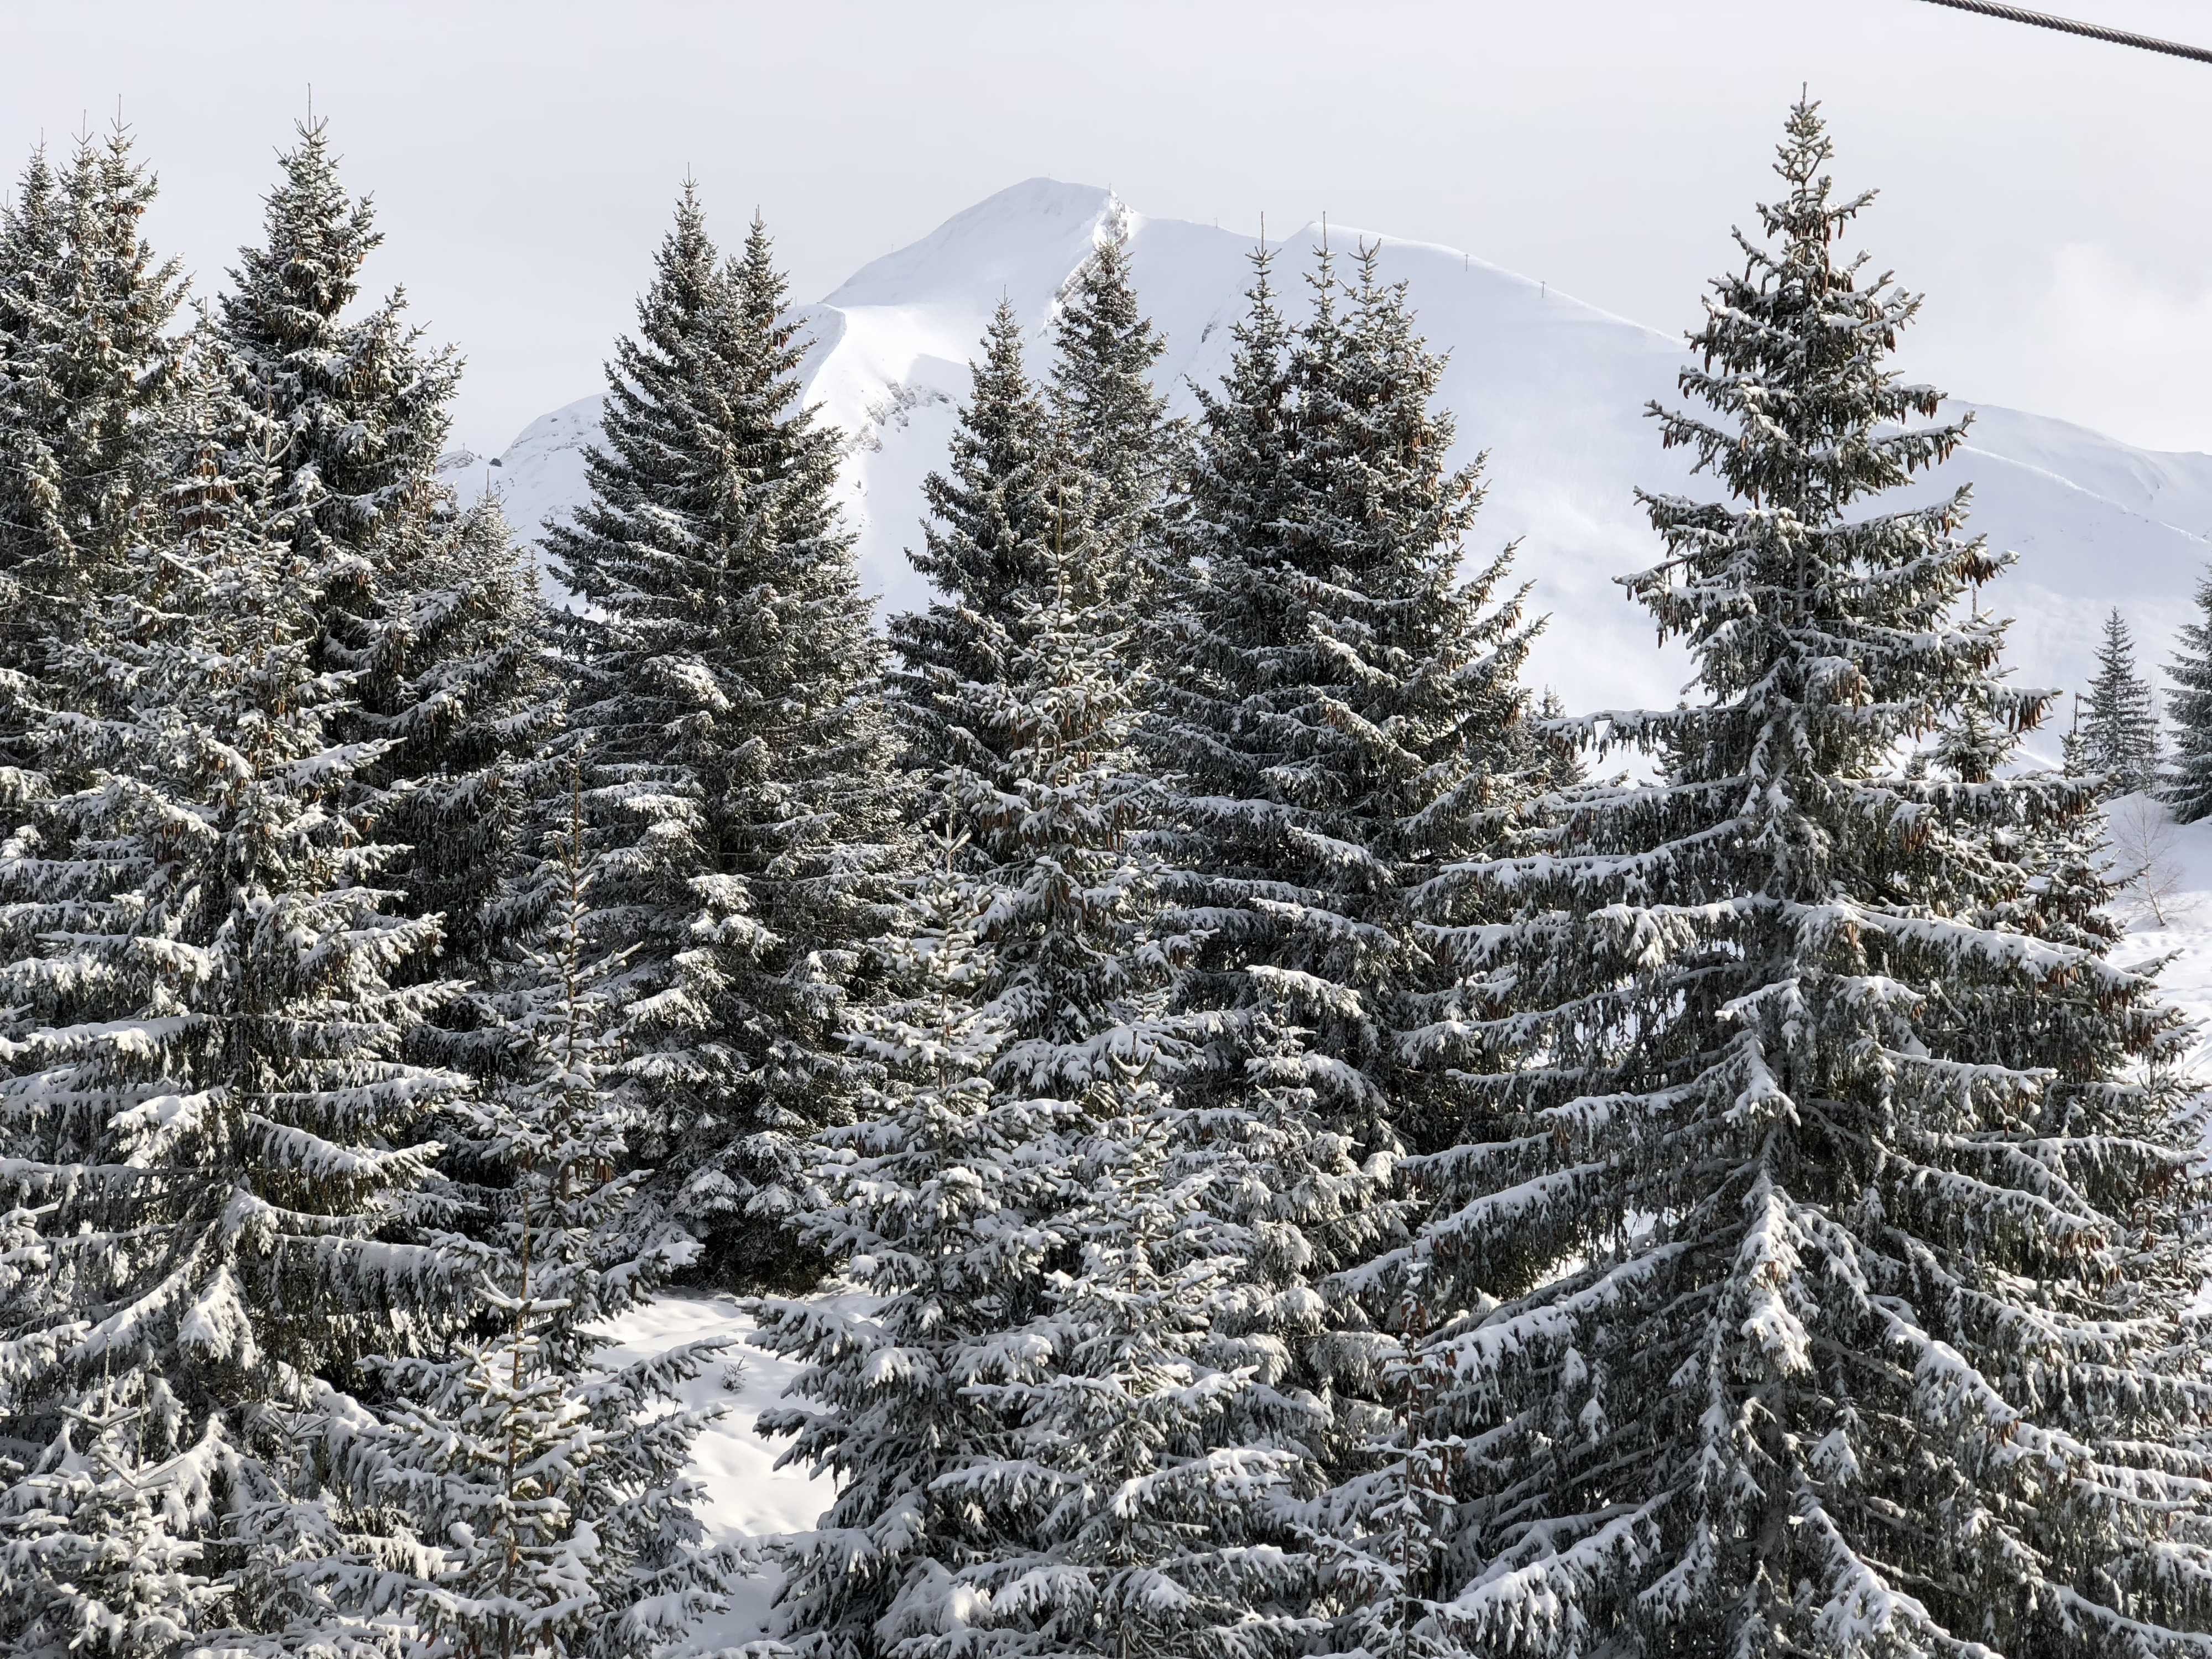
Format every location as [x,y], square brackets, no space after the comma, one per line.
[1553,389]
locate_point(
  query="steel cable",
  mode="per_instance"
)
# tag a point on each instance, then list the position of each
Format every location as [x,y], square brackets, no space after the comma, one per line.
[2044,20]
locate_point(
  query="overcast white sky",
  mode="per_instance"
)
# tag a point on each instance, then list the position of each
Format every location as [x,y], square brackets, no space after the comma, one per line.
[2050,195]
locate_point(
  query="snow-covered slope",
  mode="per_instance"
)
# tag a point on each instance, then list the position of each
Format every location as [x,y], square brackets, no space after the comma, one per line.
[2183,854]
[1554,389]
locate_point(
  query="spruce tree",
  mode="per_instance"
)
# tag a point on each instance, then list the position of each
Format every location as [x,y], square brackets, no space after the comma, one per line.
[360,405]
[1111,427]
[537,1496]
[2122,723]
[942,1202]
[1155,1444]
[468,705]
[2073,750]
[91,376]
[98,374]
[97,1551]
[431,612]
[992,520]
[1151,1420]
[1343,708]
[2187,788]
[1819,1285]
[737,770]
[2061,884]
[1124,1422]
[31,244]
[1053,829]
[204,1114]
[1380,1536]
[1076,1421]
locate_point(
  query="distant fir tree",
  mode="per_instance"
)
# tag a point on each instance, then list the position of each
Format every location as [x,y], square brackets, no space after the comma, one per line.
[1112,427]
[2120,719]
[943,1201]
[1820,1288]
[86,402]
[1343,709]
[2187,788]
[1550,745]
[31,239]
[2073,750]
[984,547]
[209,1149]
[2061,884]
[431,612]
[737,770]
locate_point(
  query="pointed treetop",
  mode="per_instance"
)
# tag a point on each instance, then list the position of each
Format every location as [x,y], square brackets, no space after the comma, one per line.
[318,238]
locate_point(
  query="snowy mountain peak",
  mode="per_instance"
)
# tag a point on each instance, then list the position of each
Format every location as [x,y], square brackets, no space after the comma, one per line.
[1021,243]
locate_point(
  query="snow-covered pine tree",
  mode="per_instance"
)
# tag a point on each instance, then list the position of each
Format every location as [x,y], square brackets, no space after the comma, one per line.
[2187,788]
[1149,1425]
[1380,1536]
[31,239]
[1110,425]
[1547,756]
[1837,1217]
[735,757]
[1153,1447]
[361,406]
[942,1202]
[2120,719]
[541,1506]
[1075,1423]
[1069,895]
[97,372]
[983,549]
[202,1113]
[1343,706]
[28,255]
[433,612]
[1053,824]
[98,1554]
[90,377]
[468,700]
[2058,883]
[2073,750]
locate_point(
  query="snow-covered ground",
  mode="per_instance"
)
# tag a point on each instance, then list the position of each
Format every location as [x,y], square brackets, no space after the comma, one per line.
[1553,389]
[2185,935]
[748,1497]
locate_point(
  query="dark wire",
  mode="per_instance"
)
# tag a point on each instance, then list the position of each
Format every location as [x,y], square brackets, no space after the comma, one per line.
[2044,20]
